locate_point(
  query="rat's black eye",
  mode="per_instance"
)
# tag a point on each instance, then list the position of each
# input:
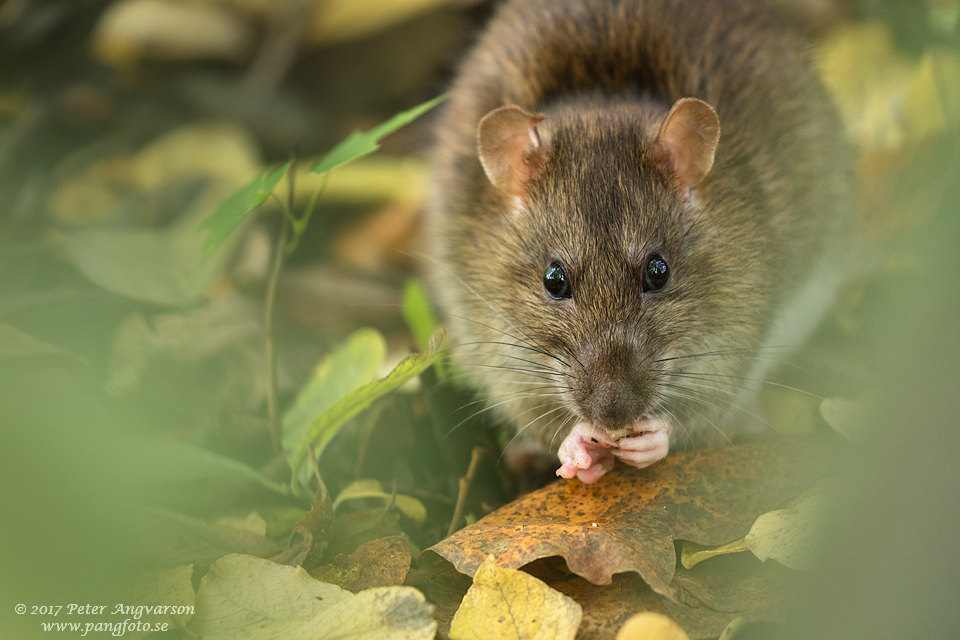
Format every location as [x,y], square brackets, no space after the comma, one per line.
[655,274]
[555,281]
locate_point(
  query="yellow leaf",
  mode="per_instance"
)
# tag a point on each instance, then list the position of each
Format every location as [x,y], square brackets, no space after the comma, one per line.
[339,20]
[932,105]
[887,99]
[651,626]
[131,30]
[507,604]
[359,489]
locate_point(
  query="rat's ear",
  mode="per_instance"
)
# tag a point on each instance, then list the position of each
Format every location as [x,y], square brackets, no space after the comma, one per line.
[687,141]
[510,149]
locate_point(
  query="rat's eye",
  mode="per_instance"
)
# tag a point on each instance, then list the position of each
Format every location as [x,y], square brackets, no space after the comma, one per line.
[655,274]
[555,281]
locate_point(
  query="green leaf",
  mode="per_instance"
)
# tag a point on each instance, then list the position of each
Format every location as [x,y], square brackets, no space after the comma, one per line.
[791,536]
[247,597]
[418,314]
[352,364]
[326,425]
[359,144]
[234,209]
[167,537]
[154,266]
[167,460]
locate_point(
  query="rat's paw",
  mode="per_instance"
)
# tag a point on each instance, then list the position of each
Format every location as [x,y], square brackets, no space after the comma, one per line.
[644,449]
[585,453]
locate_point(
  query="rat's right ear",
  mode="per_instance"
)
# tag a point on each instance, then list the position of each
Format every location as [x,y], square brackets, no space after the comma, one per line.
[510,149]
[687,141]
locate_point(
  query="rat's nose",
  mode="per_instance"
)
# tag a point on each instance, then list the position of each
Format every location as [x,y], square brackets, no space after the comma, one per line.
[609,389]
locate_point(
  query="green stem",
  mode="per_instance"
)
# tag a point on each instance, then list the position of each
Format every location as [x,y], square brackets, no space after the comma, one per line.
[300,225]
[273,418]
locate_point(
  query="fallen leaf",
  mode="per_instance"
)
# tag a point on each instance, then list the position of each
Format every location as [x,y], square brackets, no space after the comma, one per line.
[133,30]
[629,520]
[255,599]
[316,530]
[738,585]
[378,563]
[351,530]
[252,523]
[173,538]
[790,536]
[651,626]
[339,20]
[168,587]
[509,604]
[848,417]
[367,489]
[607,608]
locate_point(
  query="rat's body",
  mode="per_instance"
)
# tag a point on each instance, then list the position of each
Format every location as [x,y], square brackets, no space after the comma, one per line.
[606,303]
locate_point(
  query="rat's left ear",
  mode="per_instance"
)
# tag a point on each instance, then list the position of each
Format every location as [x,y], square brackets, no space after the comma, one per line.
[510,149]
[687,141]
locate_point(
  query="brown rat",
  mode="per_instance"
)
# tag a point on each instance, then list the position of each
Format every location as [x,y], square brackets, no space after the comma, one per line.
[637,202]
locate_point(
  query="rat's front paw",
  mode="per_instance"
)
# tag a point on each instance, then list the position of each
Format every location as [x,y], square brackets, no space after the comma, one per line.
[644,449]
[585,453]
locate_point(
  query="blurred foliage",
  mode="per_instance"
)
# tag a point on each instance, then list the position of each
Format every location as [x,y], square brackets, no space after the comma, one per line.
[129,375]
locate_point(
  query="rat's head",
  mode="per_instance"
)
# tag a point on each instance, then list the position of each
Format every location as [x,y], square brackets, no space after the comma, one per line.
[601,273]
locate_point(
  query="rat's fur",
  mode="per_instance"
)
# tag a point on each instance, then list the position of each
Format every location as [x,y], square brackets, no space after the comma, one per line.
[752,253]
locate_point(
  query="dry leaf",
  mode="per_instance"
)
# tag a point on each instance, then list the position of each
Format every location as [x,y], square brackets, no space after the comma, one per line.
[507,604]
[628,521]
[133,30]
[651,626]
[378,563]
[339,20]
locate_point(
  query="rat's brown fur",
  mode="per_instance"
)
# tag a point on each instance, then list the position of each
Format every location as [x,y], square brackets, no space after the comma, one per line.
[759,237]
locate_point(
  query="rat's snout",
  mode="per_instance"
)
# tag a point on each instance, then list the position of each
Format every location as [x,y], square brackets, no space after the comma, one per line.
[609,389]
